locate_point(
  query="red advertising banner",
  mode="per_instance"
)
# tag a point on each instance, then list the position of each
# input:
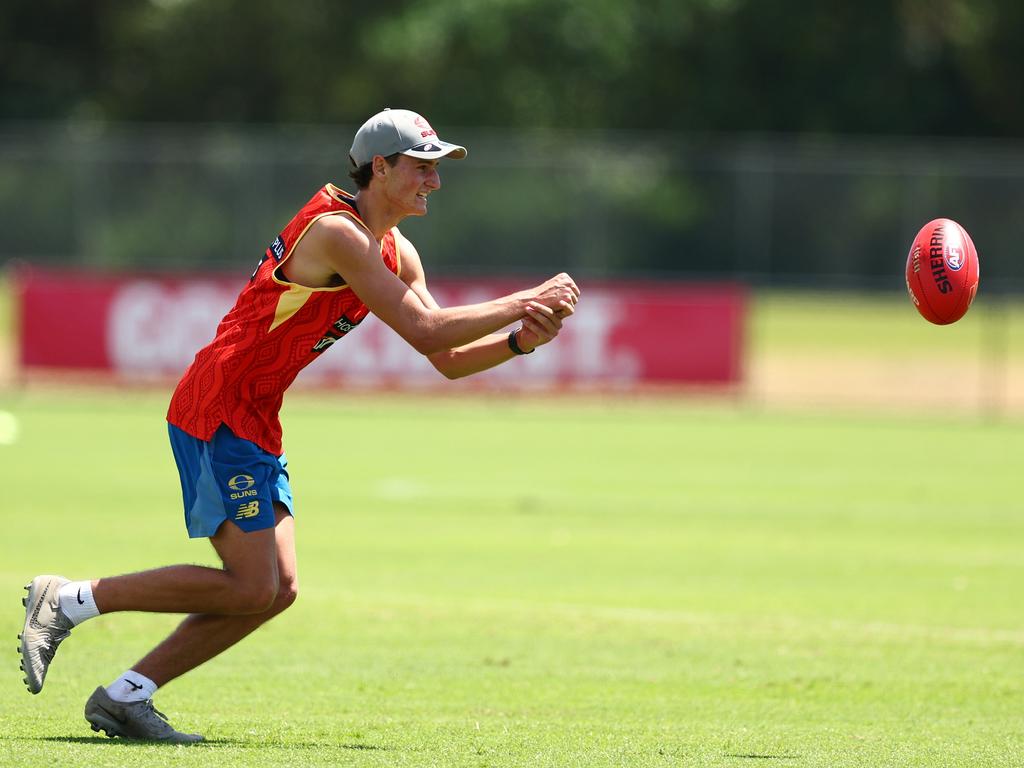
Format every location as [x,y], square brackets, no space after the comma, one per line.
[623,333]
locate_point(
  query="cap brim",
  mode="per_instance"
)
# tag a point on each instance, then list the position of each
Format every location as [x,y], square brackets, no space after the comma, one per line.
[434,150]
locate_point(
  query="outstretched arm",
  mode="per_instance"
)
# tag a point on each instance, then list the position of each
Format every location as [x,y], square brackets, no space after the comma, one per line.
[494,349]
[540,325]
[349,251]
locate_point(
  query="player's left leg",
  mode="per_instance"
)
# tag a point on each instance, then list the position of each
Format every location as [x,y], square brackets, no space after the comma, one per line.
[200,637]
[197,639]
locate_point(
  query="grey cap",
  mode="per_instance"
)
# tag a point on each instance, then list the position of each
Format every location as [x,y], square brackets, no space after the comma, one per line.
[402,131]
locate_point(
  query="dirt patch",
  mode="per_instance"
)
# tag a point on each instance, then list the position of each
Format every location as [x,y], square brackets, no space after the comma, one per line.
[864,381]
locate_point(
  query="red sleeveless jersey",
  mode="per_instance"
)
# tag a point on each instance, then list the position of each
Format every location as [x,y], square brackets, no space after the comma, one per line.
[275,329]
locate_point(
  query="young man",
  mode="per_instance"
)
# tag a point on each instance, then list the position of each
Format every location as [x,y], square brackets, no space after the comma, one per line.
[340,258]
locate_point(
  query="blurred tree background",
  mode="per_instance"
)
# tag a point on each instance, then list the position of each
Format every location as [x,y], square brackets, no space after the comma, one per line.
[943,67]
[729,128]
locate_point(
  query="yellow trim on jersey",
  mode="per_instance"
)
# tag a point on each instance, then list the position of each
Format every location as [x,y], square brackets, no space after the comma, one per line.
[279,281]
[395,235]
[339,194]
[290,302]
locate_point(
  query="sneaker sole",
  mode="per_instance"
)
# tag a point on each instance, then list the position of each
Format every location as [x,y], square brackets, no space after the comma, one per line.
[21,641]
[99,723]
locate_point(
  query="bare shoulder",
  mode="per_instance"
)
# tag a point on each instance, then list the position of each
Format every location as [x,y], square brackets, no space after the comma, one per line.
[342,243]
[340,232]
[333,246]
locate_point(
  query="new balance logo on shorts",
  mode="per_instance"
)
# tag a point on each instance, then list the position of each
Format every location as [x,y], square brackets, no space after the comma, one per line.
[245,511]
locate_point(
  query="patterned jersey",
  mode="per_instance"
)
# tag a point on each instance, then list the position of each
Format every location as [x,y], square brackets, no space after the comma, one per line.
[275,329]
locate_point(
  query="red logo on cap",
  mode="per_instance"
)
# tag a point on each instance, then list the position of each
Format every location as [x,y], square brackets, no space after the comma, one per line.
[425,125]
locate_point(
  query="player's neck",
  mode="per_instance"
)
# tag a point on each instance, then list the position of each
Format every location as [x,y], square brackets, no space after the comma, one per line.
[378,216]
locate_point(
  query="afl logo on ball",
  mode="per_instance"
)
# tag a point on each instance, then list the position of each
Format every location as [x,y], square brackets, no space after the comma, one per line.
[955,258]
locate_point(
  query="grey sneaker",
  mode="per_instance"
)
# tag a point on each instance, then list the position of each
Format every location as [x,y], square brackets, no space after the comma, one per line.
[45,627]
[136,720]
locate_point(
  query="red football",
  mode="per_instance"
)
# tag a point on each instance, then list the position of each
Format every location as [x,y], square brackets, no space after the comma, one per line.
[942,271]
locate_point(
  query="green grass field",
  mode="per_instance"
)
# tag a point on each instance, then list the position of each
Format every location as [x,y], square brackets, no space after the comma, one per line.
[880,326]
[552,583]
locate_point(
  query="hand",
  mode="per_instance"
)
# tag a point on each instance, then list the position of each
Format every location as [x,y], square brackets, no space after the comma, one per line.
[541,324]
[557,292]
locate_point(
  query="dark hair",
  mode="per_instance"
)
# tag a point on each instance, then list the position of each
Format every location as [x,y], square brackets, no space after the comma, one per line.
[362,175]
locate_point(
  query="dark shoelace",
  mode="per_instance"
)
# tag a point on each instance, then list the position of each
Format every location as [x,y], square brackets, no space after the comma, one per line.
[162,724]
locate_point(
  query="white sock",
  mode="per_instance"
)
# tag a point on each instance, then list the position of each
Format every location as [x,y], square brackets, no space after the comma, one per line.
[76,601]
[131,686]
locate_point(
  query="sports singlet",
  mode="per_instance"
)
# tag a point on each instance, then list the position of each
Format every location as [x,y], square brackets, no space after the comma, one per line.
[275,329]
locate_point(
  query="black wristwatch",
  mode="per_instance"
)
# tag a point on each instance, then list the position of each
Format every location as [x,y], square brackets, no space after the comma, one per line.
[514,346]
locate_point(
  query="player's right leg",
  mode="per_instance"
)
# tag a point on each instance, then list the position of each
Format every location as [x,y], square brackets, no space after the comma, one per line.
[248,584]
[218,478]
[46,626]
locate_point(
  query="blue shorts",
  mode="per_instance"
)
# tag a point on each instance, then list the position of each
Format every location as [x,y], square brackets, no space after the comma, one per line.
[228,478]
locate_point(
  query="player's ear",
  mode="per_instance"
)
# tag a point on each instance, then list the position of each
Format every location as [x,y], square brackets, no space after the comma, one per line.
[380,166]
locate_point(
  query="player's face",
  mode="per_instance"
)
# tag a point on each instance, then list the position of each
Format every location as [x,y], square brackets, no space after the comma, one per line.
[410,181]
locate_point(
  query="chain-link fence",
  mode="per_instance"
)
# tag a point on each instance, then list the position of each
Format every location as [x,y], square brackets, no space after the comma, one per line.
[830,212]
[821,213]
